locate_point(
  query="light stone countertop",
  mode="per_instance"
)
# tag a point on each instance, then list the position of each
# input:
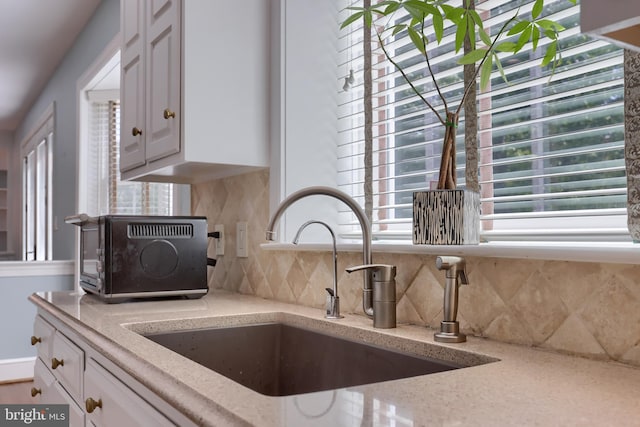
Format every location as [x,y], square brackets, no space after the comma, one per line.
[524,387]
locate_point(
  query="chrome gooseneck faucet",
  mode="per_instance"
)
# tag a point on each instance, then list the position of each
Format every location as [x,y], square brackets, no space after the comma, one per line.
[455,275]
[333,300]
[367,297]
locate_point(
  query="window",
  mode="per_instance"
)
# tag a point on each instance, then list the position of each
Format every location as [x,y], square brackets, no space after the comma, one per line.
[551,151]
[108,194]
[36,190]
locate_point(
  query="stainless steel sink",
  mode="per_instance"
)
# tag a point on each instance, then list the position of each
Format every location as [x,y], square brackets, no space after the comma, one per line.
[277,359]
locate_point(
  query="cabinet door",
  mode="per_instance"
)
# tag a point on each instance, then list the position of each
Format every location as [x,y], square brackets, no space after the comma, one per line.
[49,391]
[111,403]
[163,62]
[132,85]
[43,382]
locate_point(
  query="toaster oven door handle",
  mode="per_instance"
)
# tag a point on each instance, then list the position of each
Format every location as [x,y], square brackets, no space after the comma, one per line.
[80,219]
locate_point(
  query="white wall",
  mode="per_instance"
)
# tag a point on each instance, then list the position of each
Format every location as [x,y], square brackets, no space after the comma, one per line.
[305,88]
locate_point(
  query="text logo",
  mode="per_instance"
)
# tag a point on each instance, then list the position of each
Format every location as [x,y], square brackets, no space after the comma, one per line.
[34,415]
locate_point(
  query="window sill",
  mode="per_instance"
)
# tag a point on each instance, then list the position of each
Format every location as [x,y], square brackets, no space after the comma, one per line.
[623,252]
[36,268]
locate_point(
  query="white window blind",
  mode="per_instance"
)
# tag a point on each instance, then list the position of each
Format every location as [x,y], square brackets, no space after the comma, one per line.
[551,151]
[108,194]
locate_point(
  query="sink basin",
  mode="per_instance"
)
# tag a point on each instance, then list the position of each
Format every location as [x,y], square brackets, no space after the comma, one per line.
[277,359]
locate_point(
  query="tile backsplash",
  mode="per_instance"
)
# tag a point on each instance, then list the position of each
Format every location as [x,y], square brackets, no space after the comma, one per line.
[586,309]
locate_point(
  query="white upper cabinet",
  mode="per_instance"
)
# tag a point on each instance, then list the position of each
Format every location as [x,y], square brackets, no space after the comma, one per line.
[163,79]
[195,87]
[132,147]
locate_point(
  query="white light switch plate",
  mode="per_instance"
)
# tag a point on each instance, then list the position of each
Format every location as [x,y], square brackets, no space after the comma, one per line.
[242,249]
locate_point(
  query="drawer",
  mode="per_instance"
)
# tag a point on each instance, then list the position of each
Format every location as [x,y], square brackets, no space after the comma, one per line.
[42,338]
[67,365]
[110,402]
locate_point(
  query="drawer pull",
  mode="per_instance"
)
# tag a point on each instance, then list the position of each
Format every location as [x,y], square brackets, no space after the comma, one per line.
[35,340]
[55,363]
[168,114]
[136,131]
[91,404]
[35,391]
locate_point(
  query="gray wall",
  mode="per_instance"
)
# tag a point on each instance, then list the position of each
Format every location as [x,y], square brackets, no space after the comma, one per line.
[17,313]
[61,89]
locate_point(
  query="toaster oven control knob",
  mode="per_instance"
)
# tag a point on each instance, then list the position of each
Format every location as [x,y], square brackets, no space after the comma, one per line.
[99,284]
[99,267]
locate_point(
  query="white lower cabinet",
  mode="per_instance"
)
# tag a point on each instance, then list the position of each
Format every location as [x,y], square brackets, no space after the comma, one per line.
[46,389]
[109,402]
[69,371]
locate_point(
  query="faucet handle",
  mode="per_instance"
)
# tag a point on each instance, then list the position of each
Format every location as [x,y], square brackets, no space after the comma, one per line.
[381,272]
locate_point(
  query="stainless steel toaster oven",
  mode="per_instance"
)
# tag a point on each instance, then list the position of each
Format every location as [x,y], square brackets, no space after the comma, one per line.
[123,257]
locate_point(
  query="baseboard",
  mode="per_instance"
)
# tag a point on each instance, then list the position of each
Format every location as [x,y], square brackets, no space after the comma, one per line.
[13,370]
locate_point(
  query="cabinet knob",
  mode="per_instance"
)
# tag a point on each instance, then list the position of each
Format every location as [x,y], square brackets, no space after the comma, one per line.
[91,404]
[168,114]
[55,363]
[35,340]
[135,131]
[35,391]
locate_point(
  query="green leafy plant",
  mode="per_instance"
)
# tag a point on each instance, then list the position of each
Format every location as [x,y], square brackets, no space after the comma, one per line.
[483,51]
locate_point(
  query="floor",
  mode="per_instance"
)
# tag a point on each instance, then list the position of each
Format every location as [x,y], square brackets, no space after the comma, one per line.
[16,393]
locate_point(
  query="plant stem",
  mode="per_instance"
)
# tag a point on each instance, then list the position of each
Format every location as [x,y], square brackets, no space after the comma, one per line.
[484,58]
[447,175]
[433,77]
[406,78]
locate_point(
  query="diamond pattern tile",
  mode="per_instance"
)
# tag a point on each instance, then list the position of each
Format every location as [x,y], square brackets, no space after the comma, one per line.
[585,309]
[425,295]
[613,318]
[538,308]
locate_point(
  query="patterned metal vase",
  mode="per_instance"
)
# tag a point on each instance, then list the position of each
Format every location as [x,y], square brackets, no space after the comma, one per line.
[446,217]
